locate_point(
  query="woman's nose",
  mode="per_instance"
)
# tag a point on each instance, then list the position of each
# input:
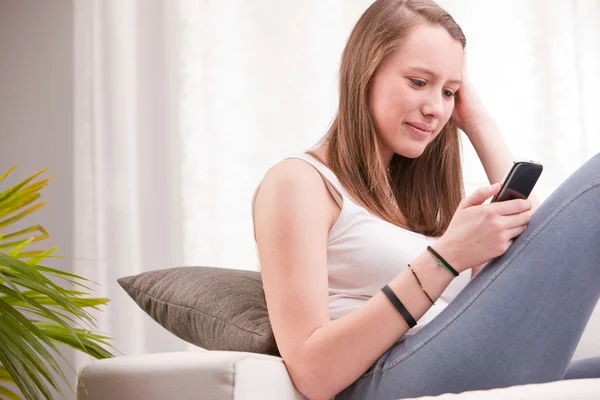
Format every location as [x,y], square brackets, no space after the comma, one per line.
[434,106]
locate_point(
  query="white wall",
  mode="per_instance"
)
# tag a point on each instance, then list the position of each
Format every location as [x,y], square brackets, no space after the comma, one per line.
[36,104]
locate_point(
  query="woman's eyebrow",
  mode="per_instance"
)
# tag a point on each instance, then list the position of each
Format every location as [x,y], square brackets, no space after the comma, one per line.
[431,73]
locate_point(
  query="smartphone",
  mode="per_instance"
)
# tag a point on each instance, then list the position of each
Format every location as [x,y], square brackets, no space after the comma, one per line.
[519,180]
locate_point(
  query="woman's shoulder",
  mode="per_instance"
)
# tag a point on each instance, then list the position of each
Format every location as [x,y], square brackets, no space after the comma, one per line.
[294,178]
[292,168]
[295,186]
[303,170]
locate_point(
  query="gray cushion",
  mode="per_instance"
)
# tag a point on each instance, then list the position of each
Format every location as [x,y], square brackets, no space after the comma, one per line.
[214,308]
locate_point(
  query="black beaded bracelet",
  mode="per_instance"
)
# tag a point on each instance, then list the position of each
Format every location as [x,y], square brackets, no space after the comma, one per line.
[444,262]
[399,306]
[421,285]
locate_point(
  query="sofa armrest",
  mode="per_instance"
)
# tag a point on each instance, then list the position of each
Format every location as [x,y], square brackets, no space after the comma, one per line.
[187,375]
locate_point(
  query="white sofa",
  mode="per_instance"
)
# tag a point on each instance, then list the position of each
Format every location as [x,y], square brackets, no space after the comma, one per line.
[220,375]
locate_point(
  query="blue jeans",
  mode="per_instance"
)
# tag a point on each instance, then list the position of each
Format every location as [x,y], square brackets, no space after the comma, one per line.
[519,320]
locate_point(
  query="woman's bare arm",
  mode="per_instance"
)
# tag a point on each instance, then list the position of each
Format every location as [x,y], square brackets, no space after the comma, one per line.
[292,220]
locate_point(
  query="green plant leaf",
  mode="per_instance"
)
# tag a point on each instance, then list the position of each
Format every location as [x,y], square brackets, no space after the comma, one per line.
[13,288]
[27,379]
[74,296]
[29,363]
[18,374]
[59,313]
[40,257]
[62,301]
[27,329]
[38,228]
[8,394]
[3,176]
[29,348]
[16,203]
[18,268]
[35,312]
[58,297]
[19,247]
[23,193]
[4,375]
[64,275]
[83,302]
[21,215]
[12,190]
[89,339]
[32,253]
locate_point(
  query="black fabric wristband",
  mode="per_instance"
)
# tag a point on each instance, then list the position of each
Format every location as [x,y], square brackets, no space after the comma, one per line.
[399,306]
[435,253]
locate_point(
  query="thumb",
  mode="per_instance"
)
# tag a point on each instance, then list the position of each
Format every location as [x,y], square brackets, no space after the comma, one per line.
[481,195]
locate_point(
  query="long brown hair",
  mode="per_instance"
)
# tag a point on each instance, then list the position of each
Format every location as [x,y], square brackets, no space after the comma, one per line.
[427,189]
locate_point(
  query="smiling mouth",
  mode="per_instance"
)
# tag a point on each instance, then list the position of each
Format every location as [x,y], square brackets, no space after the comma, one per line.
[417,132]
[421,128]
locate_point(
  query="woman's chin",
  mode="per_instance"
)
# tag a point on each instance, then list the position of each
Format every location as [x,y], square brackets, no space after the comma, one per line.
[412,152]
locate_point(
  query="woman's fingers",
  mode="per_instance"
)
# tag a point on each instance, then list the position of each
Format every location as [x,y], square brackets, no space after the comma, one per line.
[480,195]
[515,220]
[516,231]
[510,206]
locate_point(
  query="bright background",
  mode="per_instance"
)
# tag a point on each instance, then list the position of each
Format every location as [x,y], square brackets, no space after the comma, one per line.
[159,118]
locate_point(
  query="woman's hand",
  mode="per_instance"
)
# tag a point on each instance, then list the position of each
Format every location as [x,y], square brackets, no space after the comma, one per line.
[479,232]
[469,112]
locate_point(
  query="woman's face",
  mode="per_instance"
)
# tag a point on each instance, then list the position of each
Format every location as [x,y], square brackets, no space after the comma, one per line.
[414,88]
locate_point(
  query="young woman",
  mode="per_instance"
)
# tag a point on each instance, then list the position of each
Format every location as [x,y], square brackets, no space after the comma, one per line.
[370,232]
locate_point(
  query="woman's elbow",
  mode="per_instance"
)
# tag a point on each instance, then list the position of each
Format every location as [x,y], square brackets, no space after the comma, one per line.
[315,389]
[312,380]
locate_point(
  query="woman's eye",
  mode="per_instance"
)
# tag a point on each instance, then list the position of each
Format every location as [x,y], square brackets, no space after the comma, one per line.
[449,93]
[420,83]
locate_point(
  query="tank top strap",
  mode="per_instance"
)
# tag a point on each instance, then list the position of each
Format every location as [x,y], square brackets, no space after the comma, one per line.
[331,181]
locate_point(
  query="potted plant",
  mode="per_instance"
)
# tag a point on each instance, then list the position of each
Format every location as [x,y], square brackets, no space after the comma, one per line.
[36,312]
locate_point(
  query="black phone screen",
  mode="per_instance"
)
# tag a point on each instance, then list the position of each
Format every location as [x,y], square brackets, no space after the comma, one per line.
[520,181]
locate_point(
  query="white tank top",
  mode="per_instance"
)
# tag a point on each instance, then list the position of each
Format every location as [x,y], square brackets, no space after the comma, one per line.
[365,252]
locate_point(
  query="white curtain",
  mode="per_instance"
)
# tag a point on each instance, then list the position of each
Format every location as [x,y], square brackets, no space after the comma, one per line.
[182,106]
